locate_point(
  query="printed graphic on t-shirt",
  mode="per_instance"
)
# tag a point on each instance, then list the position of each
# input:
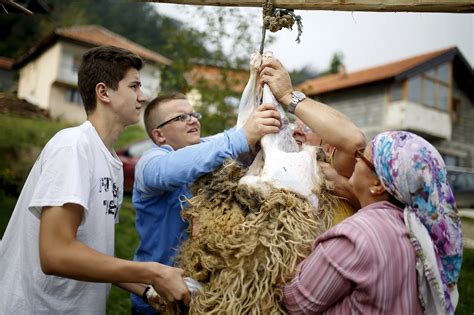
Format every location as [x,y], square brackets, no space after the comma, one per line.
[111,206]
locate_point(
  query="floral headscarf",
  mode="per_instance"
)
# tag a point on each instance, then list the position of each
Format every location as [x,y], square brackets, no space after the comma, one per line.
[412,170]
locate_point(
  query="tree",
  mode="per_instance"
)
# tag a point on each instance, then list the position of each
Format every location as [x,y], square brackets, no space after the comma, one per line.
[227,39]
[302,74]
[230,36]
[336,62]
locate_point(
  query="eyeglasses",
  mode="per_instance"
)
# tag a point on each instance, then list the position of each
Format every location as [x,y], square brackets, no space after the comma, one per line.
[182,117]
[360,154]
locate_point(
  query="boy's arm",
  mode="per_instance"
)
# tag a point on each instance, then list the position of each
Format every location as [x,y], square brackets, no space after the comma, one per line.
[61,254]
[174,169]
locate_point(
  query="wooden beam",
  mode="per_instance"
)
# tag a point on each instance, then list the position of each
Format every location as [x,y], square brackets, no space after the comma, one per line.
[15,5]
[451,6]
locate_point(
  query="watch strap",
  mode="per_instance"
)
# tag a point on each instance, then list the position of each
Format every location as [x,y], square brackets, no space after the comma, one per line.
[295,100]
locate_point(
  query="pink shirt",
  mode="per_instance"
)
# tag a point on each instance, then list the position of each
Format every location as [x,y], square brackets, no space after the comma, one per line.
[364,265]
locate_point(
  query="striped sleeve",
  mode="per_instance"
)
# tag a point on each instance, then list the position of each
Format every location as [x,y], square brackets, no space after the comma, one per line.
[323,278]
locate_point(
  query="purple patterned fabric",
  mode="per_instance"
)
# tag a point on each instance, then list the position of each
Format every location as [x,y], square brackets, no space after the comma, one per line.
[413,171]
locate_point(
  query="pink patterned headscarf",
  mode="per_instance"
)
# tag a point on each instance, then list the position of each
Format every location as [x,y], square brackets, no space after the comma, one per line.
[412,170]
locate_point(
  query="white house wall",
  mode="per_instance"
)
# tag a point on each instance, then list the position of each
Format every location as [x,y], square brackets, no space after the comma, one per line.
[70,52]
[63,110]
[150,77]
[38,75]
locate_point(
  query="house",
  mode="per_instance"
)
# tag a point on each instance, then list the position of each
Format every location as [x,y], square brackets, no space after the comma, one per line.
[222,77]
[7,74]
[209,76]
[431,95]
[48,71]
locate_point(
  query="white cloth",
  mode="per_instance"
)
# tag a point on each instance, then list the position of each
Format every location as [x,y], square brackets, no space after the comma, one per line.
[74,167]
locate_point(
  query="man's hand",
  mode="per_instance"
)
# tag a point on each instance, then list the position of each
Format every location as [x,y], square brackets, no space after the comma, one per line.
[278,79]
[170,285]
[264,120]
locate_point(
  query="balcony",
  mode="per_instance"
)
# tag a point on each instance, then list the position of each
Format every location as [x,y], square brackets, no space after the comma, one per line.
[418,118]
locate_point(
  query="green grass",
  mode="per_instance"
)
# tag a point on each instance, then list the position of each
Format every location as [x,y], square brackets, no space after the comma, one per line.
[126,241]
[131,134]
[466,284]
[20,131]
[7,203]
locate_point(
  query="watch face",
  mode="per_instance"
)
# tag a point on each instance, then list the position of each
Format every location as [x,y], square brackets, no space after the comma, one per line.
[299,94]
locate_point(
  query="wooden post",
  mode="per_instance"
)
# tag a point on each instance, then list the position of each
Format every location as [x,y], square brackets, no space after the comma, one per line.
[15,5]
[452,6]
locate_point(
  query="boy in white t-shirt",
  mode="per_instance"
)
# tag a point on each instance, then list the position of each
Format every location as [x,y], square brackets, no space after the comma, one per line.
[56,256]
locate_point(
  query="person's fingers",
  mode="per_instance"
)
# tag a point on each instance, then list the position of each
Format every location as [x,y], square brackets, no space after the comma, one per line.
[268,114]
[268,71]
[266,106]
[270,129]
[270,120]
[270,63]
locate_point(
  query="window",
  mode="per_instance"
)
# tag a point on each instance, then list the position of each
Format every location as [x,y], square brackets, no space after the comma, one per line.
[443,92]
[73,96]
[450,160]
[432,88]
[429,93]
[414,88]
[76,63]
[456,107]
[443,72]
[396,92]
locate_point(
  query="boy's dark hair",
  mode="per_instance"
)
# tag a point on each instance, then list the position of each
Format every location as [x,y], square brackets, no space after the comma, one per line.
[106,64]
[150,122]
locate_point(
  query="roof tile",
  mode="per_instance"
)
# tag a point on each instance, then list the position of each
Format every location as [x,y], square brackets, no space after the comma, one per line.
[6,63]
[97,35]
[339,81]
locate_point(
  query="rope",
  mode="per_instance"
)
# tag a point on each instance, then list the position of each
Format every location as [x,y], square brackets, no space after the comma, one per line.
[275,19]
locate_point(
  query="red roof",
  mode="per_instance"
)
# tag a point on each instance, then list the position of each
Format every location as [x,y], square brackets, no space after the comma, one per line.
[340,81]
[98,35]
[214,76]
[6,63]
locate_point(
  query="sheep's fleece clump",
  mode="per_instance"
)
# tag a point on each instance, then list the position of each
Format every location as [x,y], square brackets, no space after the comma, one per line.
[244,248]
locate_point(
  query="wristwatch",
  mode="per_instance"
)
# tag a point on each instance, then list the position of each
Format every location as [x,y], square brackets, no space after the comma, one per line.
[296,98]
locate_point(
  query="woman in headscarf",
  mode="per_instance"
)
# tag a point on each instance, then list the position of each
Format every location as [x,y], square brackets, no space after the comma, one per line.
[401,252]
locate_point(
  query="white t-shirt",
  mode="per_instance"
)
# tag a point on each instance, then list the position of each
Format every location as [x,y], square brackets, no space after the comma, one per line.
[74,167]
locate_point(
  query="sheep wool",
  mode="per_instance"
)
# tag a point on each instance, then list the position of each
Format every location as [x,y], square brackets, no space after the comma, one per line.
[243,247]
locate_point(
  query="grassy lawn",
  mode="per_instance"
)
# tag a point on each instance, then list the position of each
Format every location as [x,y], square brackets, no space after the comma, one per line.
[126,241]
